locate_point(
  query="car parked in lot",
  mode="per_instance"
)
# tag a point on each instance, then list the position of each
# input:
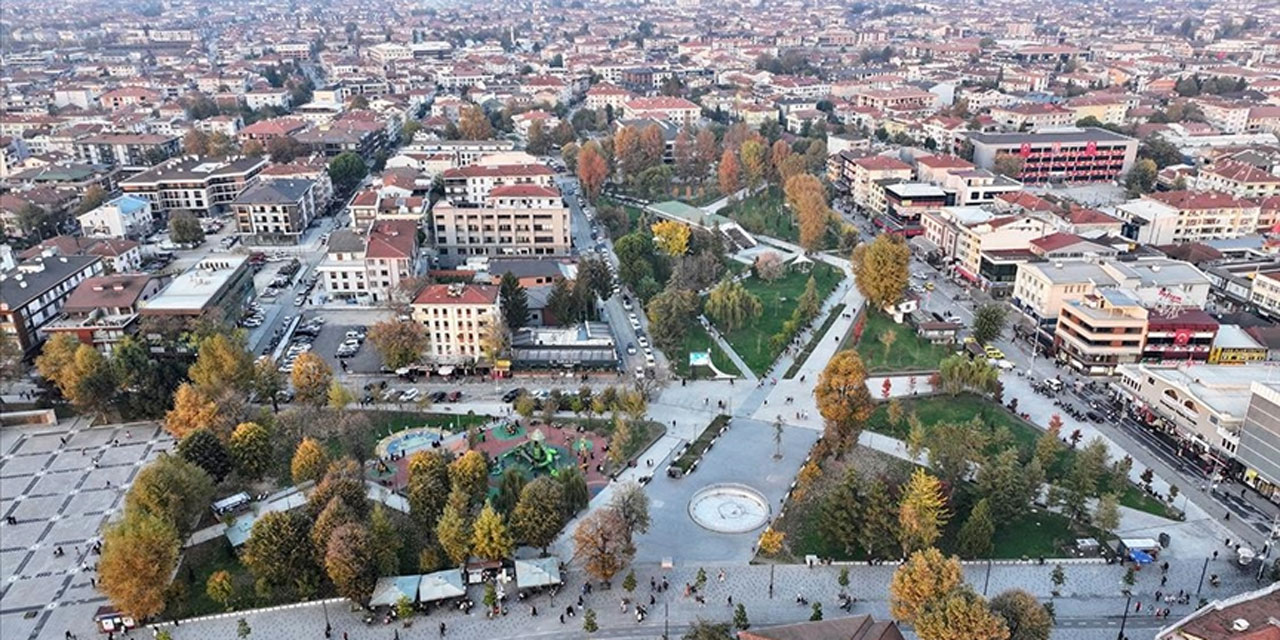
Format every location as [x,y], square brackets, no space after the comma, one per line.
[511,395]
[410,395]
[437,396]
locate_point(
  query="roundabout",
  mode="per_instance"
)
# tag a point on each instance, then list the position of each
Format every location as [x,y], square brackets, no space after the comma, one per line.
[729,508]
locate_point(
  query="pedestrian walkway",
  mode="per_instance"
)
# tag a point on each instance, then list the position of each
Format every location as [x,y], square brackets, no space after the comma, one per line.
[747,374]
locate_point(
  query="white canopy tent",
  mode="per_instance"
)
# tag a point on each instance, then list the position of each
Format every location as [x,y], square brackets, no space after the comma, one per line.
[537,572]
[441,585]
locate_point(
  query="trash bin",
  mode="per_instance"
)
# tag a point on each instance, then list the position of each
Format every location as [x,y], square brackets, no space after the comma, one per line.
[1164,540]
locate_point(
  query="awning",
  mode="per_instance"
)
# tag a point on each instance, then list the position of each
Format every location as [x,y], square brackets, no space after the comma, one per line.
[965,272]
[441,585]
[538,572]
[445,371]
[388,591]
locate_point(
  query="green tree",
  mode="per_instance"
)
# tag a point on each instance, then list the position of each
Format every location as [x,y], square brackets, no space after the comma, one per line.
[989,322]
[205,450]
[881,269]
[539,514]
[629,582]
[1106,514]
[515,301]
[1008,165]
[309,461]
[817,612]
[267,382]
[139,554]
[172,489]
[346,171]
[878,531]
[740,620]
[1008,485]
[632,505]
[349,562]
[1025,617]
[510,485]
[841,512]
[808,305]
[1141,177]
[589,621]
[1059,578]
[279,553]
[974,540]
[384,541]
[220,589]
[670,314]
[242,629]
[730,305]
[252,450]
[576,494]
[184,228]
[922,514]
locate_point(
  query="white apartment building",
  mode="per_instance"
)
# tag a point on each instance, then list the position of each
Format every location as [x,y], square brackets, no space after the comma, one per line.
[471,185]
[369,269]
[1175,217]
[963,233]
[515,220]
[458,318]
[123,217]
[194,184]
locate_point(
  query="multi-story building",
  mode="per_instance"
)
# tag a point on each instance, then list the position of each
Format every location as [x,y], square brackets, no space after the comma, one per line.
[1225,115]
[677,110]
[963,234]
[313,169]
[127,149]
[1068,155]
[605,95]
[103,310]
[905,203]
[275,211]
[515,220]
[462,152]
[214,287]
[1239,179]
[1264,294]
[471,185]
[1029,116]
[867,176]
[124,217]
[1175,217]
[1259,448]
[33,292]
[1203,406]
[371,268]
[1100,331]
[1181,335]
[197,185]
[119,255]
[895,99]
[458,318]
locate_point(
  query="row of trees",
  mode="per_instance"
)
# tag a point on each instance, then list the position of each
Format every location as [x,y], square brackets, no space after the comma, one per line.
[929,593]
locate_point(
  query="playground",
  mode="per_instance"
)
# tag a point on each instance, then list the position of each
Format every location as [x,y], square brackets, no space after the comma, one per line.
[534,448]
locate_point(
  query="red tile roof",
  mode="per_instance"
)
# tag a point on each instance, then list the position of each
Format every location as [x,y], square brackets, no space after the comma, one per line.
[392,239]
[120,290]
[951,162]
[1241,172]
[1055,241]
[1191,200]
[501,170]
[523,191]
[485,294]
[660,103]
[882,163]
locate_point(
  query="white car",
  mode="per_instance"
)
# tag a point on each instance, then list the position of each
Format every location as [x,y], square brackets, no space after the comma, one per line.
[410,395]
[631,349]
[643,341]
[639,373]
[648,359]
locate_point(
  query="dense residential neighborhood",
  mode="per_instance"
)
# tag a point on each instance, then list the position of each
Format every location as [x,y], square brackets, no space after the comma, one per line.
[632,320]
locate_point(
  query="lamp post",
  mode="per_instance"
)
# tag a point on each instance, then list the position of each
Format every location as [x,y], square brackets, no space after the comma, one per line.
[1123,620]
[328,629]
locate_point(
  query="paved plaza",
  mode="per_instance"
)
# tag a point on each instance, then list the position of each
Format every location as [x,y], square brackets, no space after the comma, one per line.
[61,483]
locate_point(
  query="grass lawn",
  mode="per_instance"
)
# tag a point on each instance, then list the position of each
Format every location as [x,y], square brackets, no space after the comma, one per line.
[697,339]
[765,213]
[199,563]
[909,352]
[813,341]
[1036,533]
[778,298]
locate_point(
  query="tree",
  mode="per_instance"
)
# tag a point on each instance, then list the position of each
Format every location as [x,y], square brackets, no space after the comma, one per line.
[562,305]
[740,620]
[927,576]
[220,589]
[510,485]
[1141,178]
[974,540]
[309,461]
[139,554]
[954,448]
[755,162]
[922,514]
[453,532]
[222,362]
[336,513]
[385,541]
[877,533]
[771,541]
[283,149]
[399,343]
[1106,514]
[192,410]
[1024,616]
[32,219]
[816,616]
[349,562]
[538,142]
[958,372]
[988,322]
[279,553]
[185,229]
[515,301]
[670,315]
[93,198]
[473,124]
[205,450]
[960,615]
[311,377]
[730,305]
[671,237]
[880,269]
[538,515]
[267,382]
[843,398]
[346,171]
[173,490]
[251,447]
[841,512]
[576,494]
[253,149]
[243,629]
[1008,165]
[489,538]
[344,479]
[592,170]
[83,375]
[729,173]
[703,630]
[1048,445]
[470,475]
[632,505]
[602,541]
[1059,578]
[1007,485]
[427,487]
[808,200]
[589,621]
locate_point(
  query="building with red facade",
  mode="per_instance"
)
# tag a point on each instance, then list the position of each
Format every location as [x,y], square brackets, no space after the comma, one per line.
[1062,155]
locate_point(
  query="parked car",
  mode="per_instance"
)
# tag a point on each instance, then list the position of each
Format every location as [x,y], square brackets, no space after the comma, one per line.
[437,396]
[410,395]
[453,396]
[511,395]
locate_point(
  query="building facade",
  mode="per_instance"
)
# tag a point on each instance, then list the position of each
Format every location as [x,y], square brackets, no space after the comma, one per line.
[458,318]
[1070,155]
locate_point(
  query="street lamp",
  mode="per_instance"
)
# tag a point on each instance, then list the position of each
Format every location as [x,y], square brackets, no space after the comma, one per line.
[1127,599]
[328,629]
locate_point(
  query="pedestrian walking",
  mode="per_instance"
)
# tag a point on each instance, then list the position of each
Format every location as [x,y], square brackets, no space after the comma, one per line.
[562,618]
[442,629]
[731,601]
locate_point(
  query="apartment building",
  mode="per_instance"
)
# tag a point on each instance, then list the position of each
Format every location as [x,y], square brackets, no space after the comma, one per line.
[905,203]
[677,110]
[458,318]
[1030,116]
[1225,115]
[201,186]
[217,287]
[867,176]
[1107,109]
[514,220]
[1203,406]
[103,310]
[963,234]
[370,269]
[1175,217]
[275,211]
[1239,179]
[895,99]
[127,149]
[1100,331]
[471,185]
[964,184]
[127,216]
[33,292]
[1069,155]
[1264,293]
[604,95]
[462,153]
[1259,448]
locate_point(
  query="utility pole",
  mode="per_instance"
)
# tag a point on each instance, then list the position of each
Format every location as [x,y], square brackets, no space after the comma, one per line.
[1127,599]
[1202,572]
